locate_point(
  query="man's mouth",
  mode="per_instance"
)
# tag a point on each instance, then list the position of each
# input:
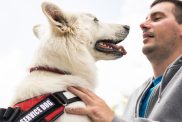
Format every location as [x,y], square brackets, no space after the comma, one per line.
[110,47]
[148,35]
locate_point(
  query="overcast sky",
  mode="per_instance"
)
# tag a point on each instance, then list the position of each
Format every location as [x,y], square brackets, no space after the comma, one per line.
[116,78]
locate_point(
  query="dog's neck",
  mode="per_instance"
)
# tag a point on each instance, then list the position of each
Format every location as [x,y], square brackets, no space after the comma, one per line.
[49,69]
[78,64]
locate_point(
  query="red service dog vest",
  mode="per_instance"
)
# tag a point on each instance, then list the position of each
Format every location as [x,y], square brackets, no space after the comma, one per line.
[44,108]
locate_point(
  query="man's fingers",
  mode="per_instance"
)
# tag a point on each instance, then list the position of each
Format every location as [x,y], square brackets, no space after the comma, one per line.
[78,111]
[88,92]
[86,99]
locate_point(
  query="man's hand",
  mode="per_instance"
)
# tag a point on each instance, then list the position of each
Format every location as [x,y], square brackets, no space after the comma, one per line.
[96,108]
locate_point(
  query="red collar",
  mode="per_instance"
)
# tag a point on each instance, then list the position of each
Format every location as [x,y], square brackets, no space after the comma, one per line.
[48,69]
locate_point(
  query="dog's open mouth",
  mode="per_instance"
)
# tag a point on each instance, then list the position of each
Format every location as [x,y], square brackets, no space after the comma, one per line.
[109,46]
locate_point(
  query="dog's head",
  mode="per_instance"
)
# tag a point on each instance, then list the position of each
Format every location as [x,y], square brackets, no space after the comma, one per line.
[84,31]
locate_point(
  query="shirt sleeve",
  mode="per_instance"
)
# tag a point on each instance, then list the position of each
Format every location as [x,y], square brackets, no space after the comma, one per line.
[118,119]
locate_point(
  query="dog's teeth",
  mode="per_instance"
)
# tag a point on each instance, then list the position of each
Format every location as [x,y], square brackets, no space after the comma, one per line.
[120,50]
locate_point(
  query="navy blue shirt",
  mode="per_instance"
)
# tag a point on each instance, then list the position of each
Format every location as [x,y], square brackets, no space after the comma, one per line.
[147,96]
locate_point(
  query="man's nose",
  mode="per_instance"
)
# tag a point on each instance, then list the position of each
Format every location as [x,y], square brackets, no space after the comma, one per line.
[145,25]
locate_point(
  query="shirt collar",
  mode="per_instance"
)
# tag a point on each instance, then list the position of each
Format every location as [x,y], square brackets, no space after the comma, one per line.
[157,80]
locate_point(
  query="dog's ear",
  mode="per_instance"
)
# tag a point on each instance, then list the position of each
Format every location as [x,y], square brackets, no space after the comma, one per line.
[39,31]
[55,16]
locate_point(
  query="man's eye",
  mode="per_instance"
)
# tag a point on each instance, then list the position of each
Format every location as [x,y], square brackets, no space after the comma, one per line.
[95,19]
[157,19]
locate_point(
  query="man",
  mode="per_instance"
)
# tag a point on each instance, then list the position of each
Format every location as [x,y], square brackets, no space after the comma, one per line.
[159,99]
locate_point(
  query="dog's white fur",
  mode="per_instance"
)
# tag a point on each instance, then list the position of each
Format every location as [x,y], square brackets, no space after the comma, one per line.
[67,44]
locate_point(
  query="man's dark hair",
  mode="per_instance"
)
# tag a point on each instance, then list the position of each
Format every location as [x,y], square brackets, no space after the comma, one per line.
[177,9]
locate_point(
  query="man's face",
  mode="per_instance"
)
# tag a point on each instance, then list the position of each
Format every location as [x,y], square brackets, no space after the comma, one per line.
[161,32]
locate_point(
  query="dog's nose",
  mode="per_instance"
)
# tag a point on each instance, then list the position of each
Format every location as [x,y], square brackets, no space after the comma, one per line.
[126,27]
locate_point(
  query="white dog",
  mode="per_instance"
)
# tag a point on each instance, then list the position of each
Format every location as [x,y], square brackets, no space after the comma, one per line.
[71,44]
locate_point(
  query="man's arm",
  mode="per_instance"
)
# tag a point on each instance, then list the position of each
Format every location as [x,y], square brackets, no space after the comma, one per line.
[96,108]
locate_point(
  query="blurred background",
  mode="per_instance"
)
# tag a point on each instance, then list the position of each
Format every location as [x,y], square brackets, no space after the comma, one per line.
[116,79]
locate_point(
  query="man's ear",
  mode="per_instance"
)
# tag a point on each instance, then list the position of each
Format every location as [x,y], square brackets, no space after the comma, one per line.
[39,31]
[55,15]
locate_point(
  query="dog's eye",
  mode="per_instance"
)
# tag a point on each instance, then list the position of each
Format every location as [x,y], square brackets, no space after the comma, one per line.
[95,19]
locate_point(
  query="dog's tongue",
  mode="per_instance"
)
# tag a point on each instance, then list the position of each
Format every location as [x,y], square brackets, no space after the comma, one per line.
[119,48]
[122,50]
